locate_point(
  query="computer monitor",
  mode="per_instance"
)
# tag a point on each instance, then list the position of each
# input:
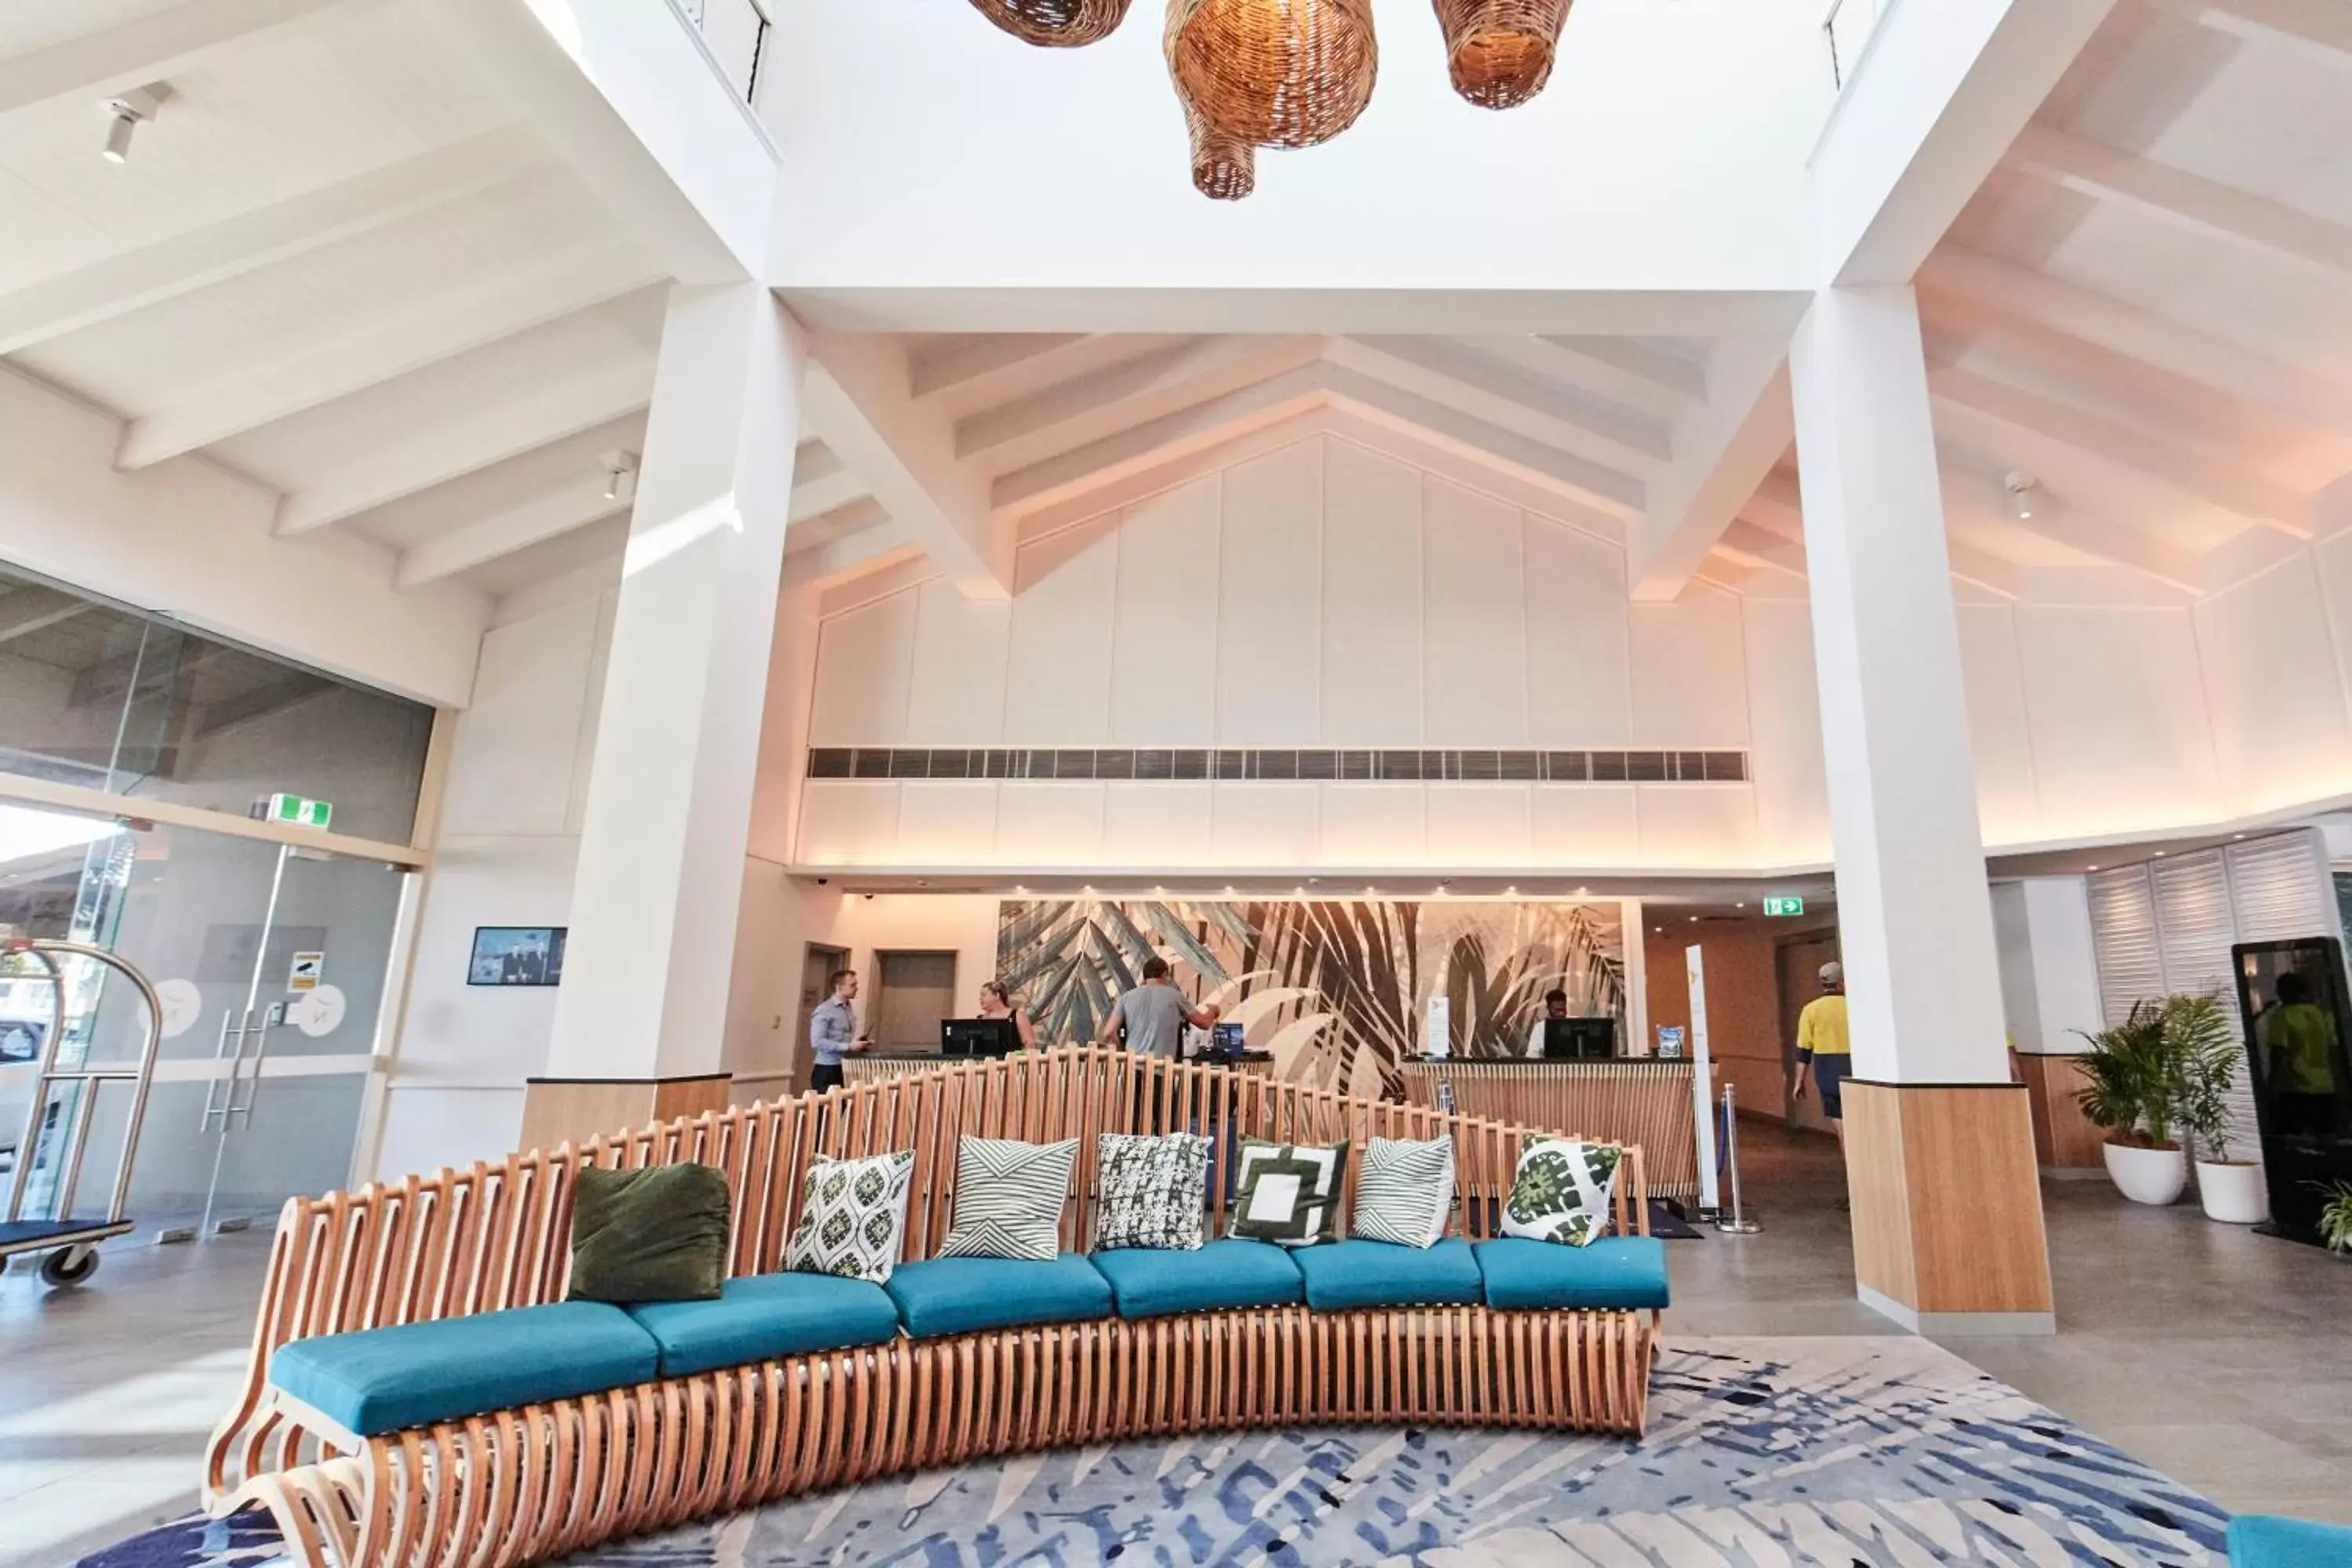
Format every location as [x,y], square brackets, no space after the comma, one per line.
[978,1037]
[1227,1039]
[1579,1040]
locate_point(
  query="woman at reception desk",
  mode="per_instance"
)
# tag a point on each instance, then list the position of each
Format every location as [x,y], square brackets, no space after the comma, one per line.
[1606,1097]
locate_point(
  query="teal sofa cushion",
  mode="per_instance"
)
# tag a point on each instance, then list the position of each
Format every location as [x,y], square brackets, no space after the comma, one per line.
[382,1380]
[1343,1274]
[1152,1282]
[964,1295]
[1624,1272]
[764,1316]
[2266,1540]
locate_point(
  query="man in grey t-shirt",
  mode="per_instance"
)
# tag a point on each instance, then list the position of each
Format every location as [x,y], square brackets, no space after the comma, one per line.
[1153,1017]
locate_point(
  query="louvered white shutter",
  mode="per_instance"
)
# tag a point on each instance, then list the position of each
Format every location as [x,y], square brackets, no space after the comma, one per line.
[2124,939]
[2196,925]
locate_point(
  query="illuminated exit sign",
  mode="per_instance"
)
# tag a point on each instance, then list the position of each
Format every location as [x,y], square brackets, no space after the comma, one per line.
[298,810]
[1784,904]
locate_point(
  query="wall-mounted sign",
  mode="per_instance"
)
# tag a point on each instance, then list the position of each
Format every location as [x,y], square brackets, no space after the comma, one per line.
[1783,904]
[1670,1042]
[516,955]
[306,971]
[298,810]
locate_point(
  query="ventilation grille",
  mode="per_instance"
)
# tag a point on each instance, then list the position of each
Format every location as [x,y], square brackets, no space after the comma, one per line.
[1368,766]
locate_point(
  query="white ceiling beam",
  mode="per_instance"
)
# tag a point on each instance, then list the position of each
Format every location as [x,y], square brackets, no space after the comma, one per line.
[576,506]
[2101,538]
[1944,91]
[1587,485]
[1753,546]
[2181,468]
[1723,448]
[95,66]
[963,362]
[1631,371]
[564,408]
[1101,402]
[2026,300]
[857,400]
[821,492]
[877,548]
[822,530]
[2317,27]
[2179,198]
[485,311]
[1508,398]
[233,245]
[1777,509]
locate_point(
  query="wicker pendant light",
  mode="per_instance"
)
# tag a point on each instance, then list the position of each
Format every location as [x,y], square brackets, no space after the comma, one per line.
[1274,73]
[1054,24]
[1499,52]
[1222,168]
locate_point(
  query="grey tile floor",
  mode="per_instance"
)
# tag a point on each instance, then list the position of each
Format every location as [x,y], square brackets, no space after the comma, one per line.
[2221,1357]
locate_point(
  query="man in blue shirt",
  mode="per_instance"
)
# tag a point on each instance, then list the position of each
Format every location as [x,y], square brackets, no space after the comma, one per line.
[833,1032]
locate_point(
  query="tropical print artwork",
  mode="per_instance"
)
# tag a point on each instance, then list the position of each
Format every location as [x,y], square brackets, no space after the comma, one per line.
[1337,991]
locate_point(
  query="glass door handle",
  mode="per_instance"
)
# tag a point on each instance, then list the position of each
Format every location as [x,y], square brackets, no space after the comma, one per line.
[212,1084]
[260,1035]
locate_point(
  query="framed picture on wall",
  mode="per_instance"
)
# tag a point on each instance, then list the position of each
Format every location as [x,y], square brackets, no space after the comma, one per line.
[516,955]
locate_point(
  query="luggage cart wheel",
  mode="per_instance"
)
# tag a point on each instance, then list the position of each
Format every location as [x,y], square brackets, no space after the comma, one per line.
[69,1265]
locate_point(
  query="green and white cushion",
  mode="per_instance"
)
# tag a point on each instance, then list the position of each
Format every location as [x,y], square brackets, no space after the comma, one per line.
[1288,1193]
[1561,1191]
[1008,1198]
[852,1217]
[1153,1191]
[1405,1193]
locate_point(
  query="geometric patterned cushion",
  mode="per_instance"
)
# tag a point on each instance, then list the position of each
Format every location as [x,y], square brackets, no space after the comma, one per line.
[1008,1198]
[1289,1192]
[1561,1191]
[1153,1191]
[853,1216]
[1405,1193]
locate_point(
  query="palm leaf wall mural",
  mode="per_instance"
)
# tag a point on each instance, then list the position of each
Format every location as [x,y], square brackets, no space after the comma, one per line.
[1336,990]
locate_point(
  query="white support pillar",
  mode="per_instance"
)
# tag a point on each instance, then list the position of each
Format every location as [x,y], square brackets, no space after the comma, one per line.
[668,811]
[1947,1217]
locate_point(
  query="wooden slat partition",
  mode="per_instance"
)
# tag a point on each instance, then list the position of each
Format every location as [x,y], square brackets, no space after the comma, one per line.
[1648,1102]
[519,1487]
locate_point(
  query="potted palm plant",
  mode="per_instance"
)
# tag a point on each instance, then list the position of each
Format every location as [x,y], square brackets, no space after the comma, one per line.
[2131,1088]
[2205,1055]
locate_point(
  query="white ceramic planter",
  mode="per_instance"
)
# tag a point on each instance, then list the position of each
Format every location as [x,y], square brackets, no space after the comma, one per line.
[2234,1194]
[2149,1175]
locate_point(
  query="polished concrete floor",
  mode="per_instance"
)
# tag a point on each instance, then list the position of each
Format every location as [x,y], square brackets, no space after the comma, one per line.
[2221,1358]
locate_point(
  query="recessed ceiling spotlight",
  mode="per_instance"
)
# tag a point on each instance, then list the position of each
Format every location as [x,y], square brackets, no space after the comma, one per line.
[2024,494]
[2093,867]
[1694,920]
[1512,891]
[1229,892]
[2237,835]
[1583,892]
[620,476]
[1739,906]
[1022,893]
[2159,854]
[126,114]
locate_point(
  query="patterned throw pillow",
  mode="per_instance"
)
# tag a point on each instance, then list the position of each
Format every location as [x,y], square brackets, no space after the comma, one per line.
[1561,1191]
[1153,1191]
[852,1217]
[1404,1193]
[1008,1198]
[1289,1192]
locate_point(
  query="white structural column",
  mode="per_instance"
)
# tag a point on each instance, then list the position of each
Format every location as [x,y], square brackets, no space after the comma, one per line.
[1939,1145]
[1914,914]
[677,739]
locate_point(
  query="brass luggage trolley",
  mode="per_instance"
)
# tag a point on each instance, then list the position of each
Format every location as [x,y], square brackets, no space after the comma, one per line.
[71,1245]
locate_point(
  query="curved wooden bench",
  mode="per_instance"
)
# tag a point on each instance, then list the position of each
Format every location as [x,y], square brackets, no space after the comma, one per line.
[520,1486]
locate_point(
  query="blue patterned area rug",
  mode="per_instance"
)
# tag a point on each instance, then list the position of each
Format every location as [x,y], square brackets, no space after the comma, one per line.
[1767,1453]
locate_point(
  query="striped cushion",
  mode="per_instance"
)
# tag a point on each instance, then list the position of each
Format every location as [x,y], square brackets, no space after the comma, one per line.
[1008,1198]
[1404,1193]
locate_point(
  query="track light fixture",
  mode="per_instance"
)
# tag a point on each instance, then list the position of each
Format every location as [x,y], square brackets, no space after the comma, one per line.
[125,114]
[2023,495]
[620,476]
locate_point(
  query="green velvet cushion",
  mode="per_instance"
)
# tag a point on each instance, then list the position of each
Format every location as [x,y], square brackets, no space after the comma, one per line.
[765,1317]
[385,1380]
[941,1295]
[1620,1272]
[1340,1275]
[655,1235]
[1154,1282]
[2266,1540]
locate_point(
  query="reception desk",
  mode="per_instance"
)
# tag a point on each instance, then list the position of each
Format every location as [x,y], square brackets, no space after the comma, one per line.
[876,1067]
[1628,1100]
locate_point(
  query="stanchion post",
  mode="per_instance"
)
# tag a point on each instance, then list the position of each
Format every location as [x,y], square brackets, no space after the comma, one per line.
[1735,1222]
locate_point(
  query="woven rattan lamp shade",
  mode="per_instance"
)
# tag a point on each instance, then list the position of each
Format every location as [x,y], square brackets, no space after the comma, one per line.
[1054,24]
[1222,168]
[1274,73]
[1499,52]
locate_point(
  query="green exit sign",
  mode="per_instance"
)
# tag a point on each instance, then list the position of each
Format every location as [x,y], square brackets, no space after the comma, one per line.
[300,811]
[1784,904]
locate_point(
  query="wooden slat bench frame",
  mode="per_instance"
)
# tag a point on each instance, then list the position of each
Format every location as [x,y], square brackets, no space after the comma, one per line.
[520,1486]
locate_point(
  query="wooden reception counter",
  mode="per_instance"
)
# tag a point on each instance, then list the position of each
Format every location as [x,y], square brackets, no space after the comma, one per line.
[1628,1100]
[875,1067]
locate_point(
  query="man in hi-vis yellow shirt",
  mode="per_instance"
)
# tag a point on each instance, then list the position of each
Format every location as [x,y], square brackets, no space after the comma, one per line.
[1824,1052]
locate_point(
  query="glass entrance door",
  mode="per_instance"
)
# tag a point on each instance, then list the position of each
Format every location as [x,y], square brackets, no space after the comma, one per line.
[271,961]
